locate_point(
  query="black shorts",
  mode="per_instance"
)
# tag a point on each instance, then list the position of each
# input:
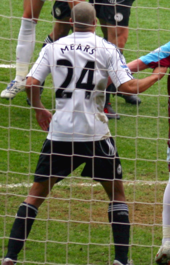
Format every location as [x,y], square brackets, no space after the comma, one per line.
[61,10]
[115,14]
[59,159]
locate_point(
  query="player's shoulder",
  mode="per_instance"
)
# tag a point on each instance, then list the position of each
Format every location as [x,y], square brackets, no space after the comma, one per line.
[107,43]
[108,47]
[45,49]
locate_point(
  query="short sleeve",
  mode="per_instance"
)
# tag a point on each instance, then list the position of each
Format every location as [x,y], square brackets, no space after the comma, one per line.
[118,69]
[41,67]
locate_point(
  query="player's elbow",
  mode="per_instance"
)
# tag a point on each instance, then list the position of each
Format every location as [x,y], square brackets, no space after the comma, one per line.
[32,82]
[128,87]
[29,83]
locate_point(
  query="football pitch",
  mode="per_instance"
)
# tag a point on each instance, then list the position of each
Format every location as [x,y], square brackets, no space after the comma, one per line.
[72,225]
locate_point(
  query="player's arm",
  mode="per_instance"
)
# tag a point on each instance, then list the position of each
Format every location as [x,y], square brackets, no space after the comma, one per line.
[36,76]
[140,85]
[137,65]
[43,116]
[33,92]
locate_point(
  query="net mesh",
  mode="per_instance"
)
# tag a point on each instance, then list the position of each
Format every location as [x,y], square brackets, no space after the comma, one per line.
[72,225]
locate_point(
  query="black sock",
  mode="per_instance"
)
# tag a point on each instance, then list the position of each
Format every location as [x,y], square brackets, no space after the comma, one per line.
[47,40]
[110,88]
[119,219]
[21,227]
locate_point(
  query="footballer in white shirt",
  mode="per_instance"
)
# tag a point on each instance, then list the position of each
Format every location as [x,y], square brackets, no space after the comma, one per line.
[80,65]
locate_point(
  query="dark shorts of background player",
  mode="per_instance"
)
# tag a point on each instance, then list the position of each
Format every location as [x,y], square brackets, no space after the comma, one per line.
[61,10]
[114,14]
[59,159]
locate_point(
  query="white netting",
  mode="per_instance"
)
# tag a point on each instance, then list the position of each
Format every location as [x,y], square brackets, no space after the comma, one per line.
[72,225]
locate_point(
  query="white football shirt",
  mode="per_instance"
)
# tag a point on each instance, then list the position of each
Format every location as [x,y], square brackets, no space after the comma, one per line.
[80,65]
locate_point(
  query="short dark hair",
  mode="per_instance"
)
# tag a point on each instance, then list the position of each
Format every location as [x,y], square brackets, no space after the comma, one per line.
[83,15]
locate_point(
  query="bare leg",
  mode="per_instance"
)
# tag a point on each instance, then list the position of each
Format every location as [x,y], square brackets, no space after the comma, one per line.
[114,190]
[32,9]
[118,35]
[115,34]
[39,192]
[60,29]
[25,47]
[25,218]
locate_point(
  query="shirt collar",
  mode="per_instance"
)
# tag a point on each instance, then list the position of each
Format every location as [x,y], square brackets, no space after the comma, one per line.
[82,34]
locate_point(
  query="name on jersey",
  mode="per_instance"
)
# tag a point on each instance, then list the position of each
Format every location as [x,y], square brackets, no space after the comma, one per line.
[73,47]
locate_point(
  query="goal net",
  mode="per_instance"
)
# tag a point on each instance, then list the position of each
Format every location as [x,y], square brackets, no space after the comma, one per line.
[72,224]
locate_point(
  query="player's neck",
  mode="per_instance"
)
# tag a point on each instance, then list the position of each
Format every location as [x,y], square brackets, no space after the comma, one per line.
[89,29]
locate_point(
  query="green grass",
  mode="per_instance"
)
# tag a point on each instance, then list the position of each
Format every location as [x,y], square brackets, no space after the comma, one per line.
[72,225]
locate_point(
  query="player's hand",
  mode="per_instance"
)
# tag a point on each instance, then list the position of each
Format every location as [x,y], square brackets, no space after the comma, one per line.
[160,72]
[43,117]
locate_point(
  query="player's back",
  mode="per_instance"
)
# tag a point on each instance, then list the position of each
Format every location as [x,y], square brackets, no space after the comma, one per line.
[79,65]
[80,79]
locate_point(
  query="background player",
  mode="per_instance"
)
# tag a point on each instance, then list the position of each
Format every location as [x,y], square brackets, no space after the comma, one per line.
[114,20]
[25,46]
[161,57]
[80,133]
[26,39]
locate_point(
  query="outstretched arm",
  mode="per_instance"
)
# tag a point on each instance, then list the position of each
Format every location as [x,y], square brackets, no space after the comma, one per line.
[140,85]
[43,116]
[137,65]
[134,66]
